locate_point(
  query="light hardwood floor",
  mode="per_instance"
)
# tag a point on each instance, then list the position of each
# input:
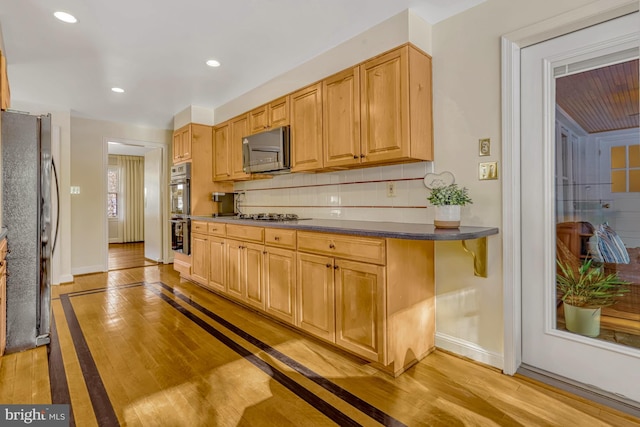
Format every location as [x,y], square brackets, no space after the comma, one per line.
[127,255]
[142,347]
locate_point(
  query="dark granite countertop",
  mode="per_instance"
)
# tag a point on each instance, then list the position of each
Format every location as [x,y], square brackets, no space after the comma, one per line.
[394,230]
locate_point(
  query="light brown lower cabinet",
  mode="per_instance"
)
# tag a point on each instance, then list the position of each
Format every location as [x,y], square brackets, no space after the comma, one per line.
[373,297]
[316,307]
[280,283]
[200,258]
[244,272]
[217,264]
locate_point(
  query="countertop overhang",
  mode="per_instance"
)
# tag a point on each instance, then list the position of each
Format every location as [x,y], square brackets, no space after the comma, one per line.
[394,230]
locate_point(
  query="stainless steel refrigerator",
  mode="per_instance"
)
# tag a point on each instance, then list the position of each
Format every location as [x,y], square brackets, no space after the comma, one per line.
[26,212]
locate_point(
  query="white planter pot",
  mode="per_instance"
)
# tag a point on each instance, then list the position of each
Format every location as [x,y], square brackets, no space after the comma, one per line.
[582,320]
[447,216]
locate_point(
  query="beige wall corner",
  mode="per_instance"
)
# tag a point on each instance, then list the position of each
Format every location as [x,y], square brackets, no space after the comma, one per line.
[193,114]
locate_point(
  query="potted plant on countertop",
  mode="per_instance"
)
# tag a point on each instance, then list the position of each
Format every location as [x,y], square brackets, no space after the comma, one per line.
[584,292]
[448,199]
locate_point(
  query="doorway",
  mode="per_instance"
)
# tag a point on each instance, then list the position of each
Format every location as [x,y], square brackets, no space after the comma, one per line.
[134,204]
[563,194]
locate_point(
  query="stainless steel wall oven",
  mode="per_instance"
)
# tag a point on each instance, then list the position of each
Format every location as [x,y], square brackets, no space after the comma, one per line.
[179,196]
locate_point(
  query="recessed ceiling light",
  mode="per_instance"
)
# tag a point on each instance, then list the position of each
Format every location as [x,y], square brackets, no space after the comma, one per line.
[213,63]
[66,17]
[117,90]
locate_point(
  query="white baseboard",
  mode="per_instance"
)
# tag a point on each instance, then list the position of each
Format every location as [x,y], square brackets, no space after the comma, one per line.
[88,269]
[65,278]
[468,349]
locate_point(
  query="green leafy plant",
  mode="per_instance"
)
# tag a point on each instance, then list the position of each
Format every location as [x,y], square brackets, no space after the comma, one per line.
[589,286]
[449,195]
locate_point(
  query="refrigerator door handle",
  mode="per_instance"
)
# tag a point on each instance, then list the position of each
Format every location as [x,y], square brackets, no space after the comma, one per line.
[55,175]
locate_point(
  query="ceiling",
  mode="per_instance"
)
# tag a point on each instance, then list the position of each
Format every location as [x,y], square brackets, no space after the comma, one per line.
[603,99]
[156,49]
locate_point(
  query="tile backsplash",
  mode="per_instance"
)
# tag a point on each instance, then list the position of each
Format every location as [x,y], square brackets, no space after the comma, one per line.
[357,194]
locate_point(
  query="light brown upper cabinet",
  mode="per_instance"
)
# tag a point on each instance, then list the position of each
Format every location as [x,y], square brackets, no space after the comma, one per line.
[341,118]
[395,107]
[5,94]
[306,129]
[239,129]
[271,115]
[221,153]
[182,144]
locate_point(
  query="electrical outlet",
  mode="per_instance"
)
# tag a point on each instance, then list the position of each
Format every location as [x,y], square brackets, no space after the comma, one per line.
[391,189]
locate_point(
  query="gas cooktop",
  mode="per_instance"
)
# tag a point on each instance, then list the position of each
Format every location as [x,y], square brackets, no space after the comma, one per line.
[269,217]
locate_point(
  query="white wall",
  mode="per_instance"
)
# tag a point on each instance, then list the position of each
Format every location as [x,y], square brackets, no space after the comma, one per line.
[153,187]
[466,76]
[88,163]
[466,79]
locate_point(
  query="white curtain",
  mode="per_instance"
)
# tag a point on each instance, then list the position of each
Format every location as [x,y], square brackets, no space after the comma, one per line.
[133,197]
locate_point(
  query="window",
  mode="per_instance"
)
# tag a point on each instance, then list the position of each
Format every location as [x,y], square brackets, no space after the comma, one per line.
[113,187]
[625,169]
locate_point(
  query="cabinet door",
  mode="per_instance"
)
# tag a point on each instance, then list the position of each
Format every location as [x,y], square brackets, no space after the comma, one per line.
[5,93]
[385,107]
[186,144]
[306,128]
[280,283]
[235,285]
[217,263]
[359,294]
[252,269]
[279,112]
[315,298]
[239,129]
[177,146]
[259,119]
[200,258]
[182,144]
[341,118]
[221,153]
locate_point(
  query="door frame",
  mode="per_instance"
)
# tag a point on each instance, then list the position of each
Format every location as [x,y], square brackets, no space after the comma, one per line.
[164,202]
[511,45]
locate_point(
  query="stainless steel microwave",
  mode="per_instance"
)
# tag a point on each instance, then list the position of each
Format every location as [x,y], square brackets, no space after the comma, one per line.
[268,151]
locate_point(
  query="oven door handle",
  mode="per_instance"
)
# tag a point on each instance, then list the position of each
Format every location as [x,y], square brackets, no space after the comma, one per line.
[178,220]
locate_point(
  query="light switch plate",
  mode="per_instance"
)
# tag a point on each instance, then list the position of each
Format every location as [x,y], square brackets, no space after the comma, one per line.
[488,170]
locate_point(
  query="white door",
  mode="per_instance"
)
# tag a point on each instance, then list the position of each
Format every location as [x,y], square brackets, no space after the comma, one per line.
[546,345]
[153,204]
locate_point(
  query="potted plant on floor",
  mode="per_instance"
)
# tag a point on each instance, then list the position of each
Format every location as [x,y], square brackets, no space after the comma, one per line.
[448,199]
[584,292]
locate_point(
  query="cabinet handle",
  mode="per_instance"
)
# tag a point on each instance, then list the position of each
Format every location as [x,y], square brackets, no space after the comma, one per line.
[356,157]
[328,265]
[264,252]
[335,267]
[222,243]
[276,238]
[332,246]
[362,156]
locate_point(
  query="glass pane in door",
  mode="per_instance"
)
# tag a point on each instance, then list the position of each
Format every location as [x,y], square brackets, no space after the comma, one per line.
[597,200]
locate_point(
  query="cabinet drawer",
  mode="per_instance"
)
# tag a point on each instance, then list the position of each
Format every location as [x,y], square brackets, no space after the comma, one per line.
[243,232]
[349,247]
[199,227]
[217,229]
[279,237]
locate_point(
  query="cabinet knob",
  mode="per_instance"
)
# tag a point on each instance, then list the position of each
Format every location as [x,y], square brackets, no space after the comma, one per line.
[264,252]
[332,246]
[328,265]
[276,238]
[362,156]
[335,267]
[355,157]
